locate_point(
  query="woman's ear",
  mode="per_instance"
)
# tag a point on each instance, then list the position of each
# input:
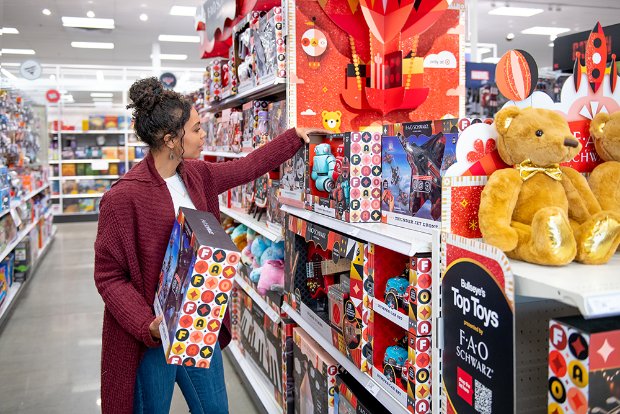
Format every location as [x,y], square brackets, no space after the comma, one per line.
[169,141]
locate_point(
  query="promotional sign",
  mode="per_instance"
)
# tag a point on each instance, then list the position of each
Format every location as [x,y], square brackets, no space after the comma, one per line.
[478,74]
[168,79]
[52,96]
[565,48]
[31,70]
[478,324]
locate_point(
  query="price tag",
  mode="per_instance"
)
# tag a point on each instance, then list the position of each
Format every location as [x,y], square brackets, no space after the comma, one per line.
[99,165]
[16,218]
[373,388]
[601,306]
[273,315]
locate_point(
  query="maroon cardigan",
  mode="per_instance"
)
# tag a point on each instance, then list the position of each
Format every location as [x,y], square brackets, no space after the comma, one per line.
[135,220]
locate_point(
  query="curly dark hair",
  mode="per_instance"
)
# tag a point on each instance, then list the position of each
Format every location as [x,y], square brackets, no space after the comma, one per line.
[157,112]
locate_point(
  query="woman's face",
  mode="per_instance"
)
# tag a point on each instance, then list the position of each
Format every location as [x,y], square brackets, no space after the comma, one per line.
[194,138]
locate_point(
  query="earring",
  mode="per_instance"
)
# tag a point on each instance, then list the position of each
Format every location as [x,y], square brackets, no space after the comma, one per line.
[171,156]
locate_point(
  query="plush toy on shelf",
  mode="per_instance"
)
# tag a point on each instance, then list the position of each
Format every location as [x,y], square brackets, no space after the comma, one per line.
[239,236]
[538,211]
[605,179]
[271,277]
[323,165]
[246,254]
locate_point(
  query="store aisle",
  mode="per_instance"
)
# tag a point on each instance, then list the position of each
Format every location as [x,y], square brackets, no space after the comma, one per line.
[50,348]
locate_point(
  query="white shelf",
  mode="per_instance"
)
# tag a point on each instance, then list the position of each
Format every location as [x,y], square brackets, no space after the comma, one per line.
[86,195]
[88,161]
[258,226]
[225,154]
[94,131]
[255,379]
[258,299]
[17,203]
[18,287]
[404,241]
[20,236]
[595,290]
[260,91]
[86,177]
[136,144]
[381,395]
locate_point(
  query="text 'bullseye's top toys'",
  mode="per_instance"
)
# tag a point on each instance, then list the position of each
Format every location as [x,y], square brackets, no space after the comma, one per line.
[194,289]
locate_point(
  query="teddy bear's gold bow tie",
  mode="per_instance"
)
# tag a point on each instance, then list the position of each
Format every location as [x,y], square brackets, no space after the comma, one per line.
[527,169]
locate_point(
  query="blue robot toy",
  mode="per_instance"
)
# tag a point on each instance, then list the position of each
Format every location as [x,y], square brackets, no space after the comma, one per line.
[323,167]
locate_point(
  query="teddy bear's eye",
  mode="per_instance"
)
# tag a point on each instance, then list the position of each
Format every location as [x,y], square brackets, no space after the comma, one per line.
[539,133]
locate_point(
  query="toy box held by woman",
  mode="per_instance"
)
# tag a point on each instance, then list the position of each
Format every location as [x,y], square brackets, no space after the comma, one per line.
[194,289]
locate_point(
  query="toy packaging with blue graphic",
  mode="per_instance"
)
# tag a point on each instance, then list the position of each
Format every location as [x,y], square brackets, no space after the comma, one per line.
[194,290]
[343,178]
[415,156]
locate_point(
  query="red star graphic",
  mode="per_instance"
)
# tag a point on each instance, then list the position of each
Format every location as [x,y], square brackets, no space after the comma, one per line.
[578,345]
[423,360]
[193,294]
[178,348]
[577,401]
[423,391]
[211,283]
[219,255]
[555,411]
[424,312]
[557,363]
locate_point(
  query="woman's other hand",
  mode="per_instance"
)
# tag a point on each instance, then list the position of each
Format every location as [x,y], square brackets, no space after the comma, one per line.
[304,133]
[154,327]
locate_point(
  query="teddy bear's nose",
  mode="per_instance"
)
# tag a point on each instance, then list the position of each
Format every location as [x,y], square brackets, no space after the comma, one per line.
[571,142]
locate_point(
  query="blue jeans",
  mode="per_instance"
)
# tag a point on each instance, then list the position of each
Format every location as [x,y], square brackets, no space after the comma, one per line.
[203,389]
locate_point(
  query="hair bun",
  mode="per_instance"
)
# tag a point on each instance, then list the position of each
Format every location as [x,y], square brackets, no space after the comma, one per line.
[145,94]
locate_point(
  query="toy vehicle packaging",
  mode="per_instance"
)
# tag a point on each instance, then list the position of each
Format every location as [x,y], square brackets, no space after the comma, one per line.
[195,284]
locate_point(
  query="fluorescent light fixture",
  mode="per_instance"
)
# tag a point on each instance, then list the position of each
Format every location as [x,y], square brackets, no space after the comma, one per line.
[46,12]
[102,100]
[9,30]
[515,11]
[52,77]
[178,38]
[7,74]
[183,11]
[11,65]
[90,14]
[545,31]
[88,23]
[92,45]
[481,50]
[165,56]
[67,98]
[510,36]
[99,76]
[144,17]
[491,60]
[17,52]
[101,95]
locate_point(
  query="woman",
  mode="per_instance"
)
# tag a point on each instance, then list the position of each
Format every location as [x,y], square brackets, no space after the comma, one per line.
[135,220]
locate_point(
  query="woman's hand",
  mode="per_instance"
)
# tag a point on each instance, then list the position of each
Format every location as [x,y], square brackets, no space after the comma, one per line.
[304,133]
[154,327]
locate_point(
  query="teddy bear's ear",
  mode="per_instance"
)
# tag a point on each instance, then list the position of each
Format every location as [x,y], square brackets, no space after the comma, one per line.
[323,113]
[338,113]
[598,124]
[504,117]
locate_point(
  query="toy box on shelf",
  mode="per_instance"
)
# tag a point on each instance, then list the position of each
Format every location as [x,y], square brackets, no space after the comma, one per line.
[314,374]
[353,398]
[415,157]
[323,282]
[275,216]
[265,342]
[292,179]
[398,311]
[218,83]
[584,365]
[269,46]
[195,283]
[344,176]
[243,43]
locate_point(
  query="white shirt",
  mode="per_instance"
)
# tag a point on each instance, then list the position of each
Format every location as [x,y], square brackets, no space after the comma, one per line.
[178,192]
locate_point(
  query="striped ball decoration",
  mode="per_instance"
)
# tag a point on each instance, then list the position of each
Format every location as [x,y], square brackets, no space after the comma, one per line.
[516,75]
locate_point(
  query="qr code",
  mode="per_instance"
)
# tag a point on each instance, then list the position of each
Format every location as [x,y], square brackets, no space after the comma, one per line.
[483,398]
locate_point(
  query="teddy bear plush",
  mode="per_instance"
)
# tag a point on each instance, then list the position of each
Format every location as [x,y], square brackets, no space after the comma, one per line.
[538,211]
[605,179]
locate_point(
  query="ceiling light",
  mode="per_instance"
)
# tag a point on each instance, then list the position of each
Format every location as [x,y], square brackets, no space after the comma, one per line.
[491,60]
[99,76]
[90,14]
[164,56]
[63,91]
[553,37]
[510,36]
[67,98]
[177,38]
[17,52]
[46,12]
[88,23]
[9,30]
[52,77]
[144,17]
[183,11]
[481,50]
[7,74]
[551,44]
[92,45]
[102,100]
[11,65]
[545,31]
[515,11]
[101,95]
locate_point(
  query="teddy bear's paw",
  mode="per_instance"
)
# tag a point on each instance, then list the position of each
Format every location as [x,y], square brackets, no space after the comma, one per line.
[599,238]
[552,241]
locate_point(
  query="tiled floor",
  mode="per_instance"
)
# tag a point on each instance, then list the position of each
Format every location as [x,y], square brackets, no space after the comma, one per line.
[50,348]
